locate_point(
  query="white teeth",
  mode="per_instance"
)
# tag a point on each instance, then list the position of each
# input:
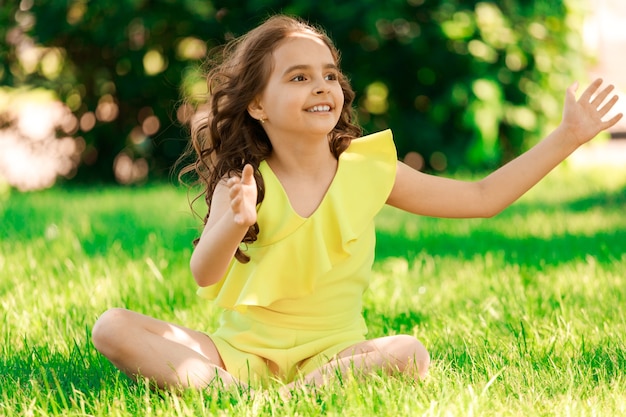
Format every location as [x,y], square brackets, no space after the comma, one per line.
[319,108]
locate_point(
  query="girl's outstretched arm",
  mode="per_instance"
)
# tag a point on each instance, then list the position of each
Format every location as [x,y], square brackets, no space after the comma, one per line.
[233,211]
[429,195]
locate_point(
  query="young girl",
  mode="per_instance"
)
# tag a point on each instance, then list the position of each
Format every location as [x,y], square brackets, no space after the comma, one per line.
[288,242]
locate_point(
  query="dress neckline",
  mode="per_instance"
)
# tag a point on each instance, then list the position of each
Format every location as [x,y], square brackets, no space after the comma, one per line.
[279,185]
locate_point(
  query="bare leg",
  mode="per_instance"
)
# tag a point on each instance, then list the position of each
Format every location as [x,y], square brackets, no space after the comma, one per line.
[401,353]
[169,355]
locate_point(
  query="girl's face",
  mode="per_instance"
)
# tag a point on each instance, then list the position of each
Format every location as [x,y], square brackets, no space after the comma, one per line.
[303,95]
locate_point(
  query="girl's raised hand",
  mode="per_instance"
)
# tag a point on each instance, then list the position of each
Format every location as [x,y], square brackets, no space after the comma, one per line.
[243,195]
[583,118]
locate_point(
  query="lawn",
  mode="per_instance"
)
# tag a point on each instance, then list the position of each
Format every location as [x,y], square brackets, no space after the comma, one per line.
[524,313]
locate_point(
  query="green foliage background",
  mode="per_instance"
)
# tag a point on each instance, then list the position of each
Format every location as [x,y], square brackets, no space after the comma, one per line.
[463,83]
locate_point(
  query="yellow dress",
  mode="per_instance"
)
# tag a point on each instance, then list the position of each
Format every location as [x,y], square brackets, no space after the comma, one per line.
[298,302]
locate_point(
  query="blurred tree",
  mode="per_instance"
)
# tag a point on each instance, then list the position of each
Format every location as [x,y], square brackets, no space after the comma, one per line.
[120,69]
[461,83]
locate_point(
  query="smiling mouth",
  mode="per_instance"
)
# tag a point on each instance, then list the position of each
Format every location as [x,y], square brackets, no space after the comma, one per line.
[323,108]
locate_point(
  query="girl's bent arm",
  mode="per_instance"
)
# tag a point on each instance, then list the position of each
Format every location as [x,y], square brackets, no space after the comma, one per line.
[220,239]
[428,195]
[232,212]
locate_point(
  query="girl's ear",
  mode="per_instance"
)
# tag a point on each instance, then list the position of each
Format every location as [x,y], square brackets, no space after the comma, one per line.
[255,109]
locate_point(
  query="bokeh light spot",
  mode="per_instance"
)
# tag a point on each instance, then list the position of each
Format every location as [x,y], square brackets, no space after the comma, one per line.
[154,62]
[376,95]
[438,161]
[129,171]
[191,48]
[87,121]
[414,160]
[151,125]
[107,109]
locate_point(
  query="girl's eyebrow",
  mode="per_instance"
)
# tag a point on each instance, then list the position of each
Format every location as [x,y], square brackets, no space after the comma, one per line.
[308,67]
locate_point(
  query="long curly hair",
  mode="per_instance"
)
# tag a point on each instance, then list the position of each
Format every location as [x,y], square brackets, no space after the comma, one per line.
[225,137]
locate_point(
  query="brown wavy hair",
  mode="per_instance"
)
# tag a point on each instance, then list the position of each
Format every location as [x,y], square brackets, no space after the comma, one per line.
[225,137]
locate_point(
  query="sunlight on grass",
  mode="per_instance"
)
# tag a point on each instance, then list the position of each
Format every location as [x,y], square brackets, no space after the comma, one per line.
[523,313]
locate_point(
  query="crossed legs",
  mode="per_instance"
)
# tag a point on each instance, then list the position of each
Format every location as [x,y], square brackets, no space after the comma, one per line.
[173,356]
[400,353]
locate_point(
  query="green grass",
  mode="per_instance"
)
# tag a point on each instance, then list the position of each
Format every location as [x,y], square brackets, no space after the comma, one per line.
[523,313]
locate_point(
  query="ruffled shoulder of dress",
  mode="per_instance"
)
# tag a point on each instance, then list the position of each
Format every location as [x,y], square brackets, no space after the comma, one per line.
[365,181]
[292,252]
[377,145]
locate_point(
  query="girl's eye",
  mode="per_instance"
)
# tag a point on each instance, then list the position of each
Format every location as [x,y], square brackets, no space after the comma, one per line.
[298,78]
[332,77]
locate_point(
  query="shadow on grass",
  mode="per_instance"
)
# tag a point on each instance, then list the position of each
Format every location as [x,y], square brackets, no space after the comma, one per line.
[604,247]
[130,233]
[131,220]
[381,324]
[81,381]
[616,199]
[124,219]
[37,370]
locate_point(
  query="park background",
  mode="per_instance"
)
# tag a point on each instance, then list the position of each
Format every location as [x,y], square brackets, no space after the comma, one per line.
[94,91]
[523,313]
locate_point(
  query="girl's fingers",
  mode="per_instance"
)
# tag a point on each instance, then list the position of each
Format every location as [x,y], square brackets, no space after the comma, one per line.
[613,120]
[232,181]
[572,89]
[234,190]
[247,176]
[602,95]
[593,87]
[238,219]
[602,111]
